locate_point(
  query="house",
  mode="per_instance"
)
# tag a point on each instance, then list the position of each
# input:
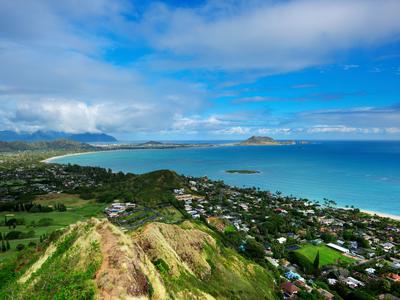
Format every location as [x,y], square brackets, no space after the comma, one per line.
[353,245]
[332,281]
[370,271]
[316,242]
[353,283]
[289,289]
[293,275]
[394,277]
[281,211]
[340,242]
[338,248]
[387,246]
[281,240]
[325,294]
[273,262]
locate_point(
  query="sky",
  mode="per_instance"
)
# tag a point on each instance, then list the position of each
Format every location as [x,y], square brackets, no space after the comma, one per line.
[190,70]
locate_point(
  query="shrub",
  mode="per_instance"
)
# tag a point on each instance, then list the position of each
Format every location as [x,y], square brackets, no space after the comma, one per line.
[13,235]
[20,247]
[26,235]
[161,266]
[45,222]
[229,229]
[86,195]
[254,249]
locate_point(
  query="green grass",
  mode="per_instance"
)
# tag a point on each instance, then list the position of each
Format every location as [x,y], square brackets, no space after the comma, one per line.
[170,214]
[327,256]
[66,274]
[232,276]
[77,210]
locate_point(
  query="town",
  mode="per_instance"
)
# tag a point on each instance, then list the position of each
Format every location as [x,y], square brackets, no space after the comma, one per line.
[355,251]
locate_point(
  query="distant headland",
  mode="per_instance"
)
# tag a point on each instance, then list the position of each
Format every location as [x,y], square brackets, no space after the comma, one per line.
[242,171]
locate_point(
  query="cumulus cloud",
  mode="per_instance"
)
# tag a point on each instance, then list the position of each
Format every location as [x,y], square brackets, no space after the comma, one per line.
[59,70]
[275,36]
[234,131]
[69,116]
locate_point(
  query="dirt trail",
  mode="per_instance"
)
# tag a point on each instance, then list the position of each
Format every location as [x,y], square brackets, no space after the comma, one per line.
[118,276]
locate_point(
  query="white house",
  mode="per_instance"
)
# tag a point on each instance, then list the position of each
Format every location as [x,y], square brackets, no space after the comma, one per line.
[281,240]
[370,271]
[338,248]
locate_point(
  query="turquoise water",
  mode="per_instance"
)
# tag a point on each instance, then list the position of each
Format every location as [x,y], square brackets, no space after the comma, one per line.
[363,174]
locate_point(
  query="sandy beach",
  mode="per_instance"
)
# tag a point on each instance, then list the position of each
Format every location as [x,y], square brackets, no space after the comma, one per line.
[48,160]
[383,215]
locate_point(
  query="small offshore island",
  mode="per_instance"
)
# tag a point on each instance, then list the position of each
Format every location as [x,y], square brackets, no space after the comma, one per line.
[266,141]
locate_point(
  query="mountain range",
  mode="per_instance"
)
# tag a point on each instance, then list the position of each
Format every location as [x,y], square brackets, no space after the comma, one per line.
[87,137]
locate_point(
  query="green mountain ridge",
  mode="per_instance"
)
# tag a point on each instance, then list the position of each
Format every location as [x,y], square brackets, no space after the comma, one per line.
[57,145]
[97,260]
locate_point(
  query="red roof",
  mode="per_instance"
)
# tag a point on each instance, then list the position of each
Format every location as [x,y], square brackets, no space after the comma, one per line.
[395,277]
[289,288]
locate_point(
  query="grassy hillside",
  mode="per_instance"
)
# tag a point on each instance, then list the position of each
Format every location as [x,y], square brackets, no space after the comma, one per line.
[58,145]
[43,223]
[95,259]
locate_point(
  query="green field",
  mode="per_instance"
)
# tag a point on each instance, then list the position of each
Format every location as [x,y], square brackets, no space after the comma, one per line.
[77,210]
[327,256]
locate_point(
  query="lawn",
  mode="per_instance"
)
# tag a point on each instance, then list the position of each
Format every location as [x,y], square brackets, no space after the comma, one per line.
[77,210]
[170,214]
[327,256]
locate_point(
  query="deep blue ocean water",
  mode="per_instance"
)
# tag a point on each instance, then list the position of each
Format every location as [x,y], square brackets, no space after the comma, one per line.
[363,174]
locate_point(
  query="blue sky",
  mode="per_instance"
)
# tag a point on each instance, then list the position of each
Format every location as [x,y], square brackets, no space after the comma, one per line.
[203,69]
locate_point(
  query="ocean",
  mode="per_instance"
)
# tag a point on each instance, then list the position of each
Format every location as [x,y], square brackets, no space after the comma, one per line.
[363,174]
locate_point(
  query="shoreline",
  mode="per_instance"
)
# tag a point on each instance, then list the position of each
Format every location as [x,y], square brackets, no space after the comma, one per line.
[372,213]
[380,214]
[48,160]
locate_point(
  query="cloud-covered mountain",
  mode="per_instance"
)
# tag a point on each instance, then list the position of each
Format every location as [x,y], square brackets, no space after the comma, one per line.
[9,136]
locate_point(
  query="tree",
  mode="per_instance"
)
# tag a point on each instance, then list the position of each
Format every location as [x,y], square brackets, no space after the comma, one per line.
[20,247]
[3,246]
[7,245]
[254,249]
[316,263]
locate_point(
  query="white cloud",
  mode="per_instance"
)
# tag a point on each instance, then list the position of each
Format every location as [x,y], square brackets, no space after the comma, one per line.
[69,116]
[275,36]
[275,131]
[234,130]
[327,128]
[349,67]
